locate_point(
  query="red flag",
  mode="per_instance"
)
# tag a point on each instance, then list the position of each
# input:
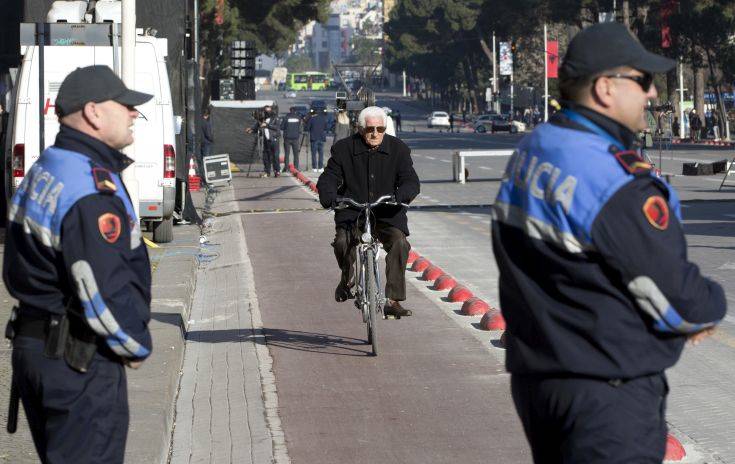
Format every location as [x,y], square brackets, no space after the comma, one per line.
[667,9]
[552,58]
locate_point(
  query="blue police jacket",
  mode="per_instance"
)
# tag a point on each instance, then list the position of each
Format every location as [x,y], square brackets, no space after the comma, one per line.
[594,277]
[73,238]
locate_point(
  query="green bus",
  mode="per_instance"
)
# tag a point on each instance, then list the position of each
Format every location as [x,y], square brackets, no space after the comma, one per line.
[309,80]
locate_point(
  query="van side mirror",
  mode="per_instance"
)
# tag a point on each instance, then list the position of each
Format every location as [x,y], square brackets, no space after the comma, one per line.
[178,122]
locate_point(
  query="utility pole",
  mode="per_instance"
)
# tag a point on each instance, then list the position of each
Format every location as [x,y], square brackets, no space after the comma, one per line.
[496,103]
[404,82]
[682,133]
[512,65]
[128,77]
[546,75]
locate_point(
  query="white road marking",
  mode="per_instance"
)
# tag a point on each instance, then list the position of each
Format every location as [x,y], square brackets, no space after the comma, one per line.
[486,168]
[445,161]
[429,157]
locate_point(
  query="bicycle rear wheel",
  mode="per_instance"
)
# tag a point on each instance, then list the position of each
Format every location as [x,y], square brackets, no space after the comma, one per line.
[371,290]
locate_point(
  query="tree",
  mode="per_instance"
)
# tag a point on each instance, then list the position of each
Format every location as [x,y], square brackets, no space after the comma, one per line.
[365,51]
[274,25]
[299,63]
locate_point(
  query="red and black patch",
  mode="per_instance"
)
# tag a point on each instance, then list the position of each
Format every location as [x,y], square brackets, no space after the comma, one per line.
[632,162]
[103,180]
[110,227]
[656,211]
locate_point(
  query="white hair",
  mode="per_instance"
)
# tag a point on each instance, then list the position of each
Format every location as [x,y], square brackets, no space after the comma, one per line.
[370,112]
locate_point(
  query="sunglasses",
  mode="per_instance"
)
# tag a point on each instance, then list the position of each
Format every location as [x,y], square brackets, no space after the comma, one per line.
[371,129]
[644,81]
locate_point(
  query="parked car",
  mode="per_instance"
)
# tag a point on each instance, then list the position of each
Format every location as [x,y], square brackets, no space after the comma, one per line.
[497,123]
[290,94]
[438,119]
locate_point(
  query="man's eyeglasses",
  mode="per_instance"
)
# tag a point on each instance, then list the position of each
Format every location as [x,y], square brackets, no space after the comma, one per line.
[371,129]
[644,81]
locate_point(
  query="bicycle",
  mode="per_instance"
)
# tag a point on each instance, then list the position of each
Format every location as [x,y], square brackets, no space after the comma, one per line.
[369,298]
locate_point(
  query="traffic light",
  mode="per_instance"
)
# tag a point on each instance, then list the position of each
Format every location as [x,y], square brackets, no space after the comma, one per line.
[242,61]
[513,47]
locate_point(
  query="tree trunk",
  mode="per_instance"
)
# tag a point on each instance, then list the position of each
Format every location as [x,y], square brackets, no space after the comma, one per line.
[724,130]
[672,82]
[626,13]
[699,92]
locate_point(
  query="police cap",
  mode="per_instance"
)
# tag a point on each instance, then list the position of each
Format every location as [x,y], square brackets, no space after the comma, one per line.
[94,84]
[606,46]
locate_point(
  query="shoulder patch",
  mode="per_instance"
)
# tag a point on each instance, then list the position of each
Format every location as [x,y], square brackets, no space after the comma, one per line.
[110,227]
[103,180]
[632,162]
[656,211]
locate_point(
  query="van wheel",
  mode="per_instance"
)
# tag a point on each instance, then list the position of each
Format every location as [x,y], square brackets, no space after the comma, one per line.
[163,231]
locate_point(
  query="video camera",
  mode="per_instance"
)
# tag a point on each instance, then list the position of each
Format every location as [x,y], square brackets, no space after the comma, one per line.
[345,103]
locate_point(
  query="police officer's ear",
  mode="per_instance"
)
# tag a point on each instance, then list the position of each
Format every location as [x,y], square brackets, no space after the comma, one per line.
[92,114]
[603,91]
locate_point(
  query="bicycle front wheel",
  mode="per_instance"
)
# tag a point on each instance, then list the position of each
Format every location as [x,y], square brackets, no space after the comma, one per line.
[371,290]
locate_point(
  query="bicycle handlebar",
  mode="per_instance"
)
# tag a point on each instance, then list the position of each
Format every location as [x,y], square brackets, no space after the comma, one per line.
[380,201]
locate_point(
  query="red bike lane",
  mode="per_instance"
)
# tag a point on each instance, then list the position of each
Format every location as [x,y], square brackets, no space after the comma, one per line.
[432,395]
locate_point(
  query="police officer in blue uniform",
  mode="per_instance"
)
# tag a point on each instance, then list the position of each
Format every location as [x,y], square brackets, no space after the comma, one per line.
[595,284]
[75,261]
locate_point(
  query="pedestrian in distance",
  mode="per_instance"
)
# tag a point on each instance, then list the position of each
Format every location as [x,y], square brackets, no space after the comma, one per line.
[269,127]
[390,127]
[75,260]
[317,129]
[595,285]
[695,125]
[292,127]
[342,128]
[386,162]
[397,119]
[451,122]
[207,134]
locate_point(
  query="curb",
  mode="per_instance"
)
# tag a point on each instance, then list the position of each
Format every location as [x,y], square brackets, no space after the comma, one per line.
[153,388]
[674,449]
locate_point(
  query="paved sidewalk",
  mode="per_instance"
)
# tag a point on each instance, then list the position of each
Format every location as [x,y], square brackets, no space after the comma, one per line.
[227,407]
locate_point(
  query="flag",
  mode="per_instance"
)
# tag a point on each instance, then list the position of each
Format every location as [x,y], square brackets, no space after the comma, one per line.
[552,58]
[667,9]
[506,59]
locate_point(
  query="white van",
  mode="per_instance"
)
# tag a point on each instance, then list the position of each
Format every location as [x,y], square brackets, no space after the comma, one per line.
[155,152]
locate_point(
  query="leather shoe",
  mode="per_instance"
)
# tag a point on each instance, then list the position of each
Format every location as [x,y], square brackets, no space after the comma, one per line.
[342,293]
[394,308]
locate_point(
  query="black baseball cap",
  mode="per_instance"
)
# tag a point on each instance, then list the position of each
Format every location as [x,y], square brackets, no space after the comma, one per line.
[94,84]
[606,46]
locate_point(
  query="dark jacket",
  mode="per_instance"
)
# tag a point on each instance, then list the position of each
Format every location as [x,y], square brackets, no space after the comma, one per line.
[621,305]
[317,127]
[291,126]
[99,245]
[353,171]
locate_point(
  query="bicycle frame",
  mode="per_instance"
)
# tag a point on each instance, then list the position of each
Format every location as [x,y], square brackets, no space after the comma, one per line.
[366,243]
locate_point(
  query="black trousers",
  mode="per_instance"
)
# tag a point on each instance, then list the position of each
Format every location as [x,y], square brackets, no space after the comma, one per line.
[270,156]
[581,420]
[291,145]
[396,246]
[74,417]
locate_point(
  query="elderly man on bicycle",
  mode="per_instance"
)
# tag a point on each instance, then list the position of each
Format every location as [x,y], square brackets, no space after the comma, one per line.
[364,167]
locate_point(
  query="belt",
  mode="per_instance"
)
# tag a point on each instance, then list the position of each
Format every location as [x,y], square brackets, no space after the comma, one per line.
[31,326]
